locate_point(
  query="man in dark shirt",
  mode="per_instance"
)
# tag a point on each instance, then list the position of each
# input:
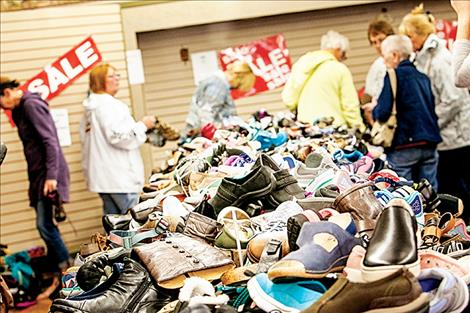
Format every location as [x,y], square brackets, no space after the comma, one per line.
[47,169]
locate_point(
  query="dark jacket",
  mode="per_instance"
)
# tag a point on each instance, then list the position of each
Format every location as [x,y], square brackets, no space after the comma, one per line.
[41,146]
[416,117]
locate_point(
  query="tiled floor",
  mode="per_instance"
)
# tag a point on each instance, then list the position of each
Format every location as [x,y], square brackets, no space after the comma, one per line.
[41,307]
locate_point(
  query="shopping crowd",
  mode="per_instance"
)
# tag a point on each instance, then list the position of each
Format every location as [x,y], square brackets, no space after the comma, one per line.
[346,203]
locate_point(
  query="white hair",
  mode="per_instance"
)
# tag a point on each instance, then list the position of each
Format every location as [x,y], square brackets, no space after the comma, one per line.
[334,40]
[397,43]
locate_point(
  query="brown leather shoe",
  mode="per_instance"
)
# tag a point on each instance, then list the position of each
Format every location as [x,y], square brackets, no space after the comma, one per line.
[399,292]
[360,201]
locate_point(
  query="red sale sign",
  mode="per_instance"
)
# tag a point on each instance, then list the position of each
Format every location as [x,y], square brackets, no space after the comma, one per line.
[64,71]
[268,59]
[447,30]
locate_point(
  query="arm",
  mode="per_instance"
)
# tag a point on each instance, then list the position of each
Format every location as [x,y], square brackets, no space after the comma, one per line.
[38,114]
[119,128]
[448,97]
[300,73]
[461,62]
[349,101]
[383,109]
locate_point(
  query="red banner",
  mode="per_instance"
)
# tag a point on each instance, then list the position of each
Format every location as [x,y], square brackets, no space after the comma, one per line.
[447,30]
[64,71]
[268,59]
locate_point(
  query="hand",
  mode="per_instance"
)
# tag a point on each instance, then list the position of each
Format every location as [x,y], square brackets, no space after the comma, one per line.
[149,121]
[368,108]
[49,186]
[461,7]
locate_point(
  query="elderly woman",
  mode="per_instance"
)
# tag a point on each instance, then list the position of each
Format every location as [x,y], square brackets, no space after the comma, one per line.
[452,103]
[110,143]
[413,153]
[321,86]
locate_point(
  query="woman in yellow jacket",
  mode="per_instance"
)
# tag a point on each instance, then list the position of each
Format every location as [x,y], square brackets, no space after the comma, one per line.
[321,86]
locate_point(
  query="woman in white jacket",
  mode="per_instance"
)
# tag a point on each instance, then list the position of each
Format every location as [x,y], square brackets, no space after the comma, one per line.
[452,104]
[111,139]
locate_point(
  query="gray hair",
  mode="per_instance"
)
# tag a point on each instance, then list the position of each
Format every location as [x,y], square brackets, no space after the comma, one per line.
[397,43]
[334,40]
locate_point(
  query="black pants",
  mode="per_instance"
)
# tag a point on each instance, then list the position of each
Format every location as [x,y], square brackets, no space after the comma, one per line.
[454,176]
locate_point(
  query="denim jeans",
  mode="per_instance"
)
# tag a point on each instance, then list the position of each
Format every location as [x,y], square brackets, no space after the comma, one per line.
[56,250]
[118,203]
[415,164]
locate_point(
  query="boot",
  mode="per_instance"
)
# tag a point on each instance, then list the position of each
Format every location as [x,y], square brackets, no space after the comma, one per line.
[360,201]
[130,290]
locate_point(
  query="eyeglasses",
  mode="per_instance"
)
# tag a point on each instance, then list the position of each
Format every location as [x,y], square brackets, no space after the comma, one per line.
[118,76]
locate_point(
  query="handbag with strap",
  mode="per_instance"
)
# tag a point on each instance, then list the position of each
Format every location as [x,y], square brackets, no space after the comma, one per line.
[382,133]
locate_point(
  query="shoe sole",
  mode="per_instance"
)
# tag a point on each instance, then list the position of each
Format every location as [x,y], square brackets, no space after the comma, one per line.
[370,274]
[294,225]
[277,276]
[419,305]
[264,301]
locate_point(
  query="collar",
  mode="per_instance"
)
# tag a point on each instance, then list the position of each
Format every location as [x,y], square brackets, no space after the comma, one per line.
[432,42]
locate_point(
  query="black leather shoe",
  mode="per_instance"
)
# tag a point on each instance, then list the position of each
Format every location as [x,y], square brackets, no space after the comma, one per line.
[116,222]
[129,290]
[286,188]
[237,192]
[393,244]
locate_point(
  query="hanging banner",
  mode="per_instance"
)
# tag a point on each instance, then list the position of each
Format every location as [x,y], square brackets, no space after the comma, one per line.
[447,30]
[268,59]
[63,72]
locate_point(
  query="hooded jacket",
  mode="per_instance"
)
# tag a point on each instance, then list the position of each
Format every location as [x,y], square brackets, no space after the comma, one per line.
[111,139]
[452,103]
[320,86]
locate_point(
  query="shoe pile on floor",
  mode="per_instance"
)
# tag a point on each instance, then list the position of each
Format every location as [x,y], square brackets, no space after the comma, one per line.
[276,216]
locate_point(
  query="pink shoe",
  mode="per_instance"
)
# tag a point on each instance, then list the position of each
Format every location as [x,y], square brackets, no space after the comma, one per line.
[431,259]
[353,266]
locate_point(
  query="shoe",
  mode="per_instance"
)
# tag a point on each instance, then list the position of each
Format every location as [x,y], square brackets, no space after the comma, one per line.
[324,248]
[393,244]
[238,191]
[287,297]
[431,199]
[399,292]
[363,166]
[449,203]
[448,292]
[129,290]
[433,259]
[352,270]
[294,225]
[268,140]
[360,201]
[316,164]
[286,187]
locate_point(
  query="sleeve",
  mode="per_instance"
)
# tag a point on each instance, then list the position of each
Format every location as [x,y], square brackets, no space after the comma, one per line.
[349,100]
[40,117]
[383,109]
[448,97]
[120,128]
[461,62]
[293,87]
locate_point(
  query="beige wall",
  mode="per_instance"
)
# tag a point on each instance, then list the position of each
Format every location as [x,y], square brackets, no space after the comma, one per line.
[30,40]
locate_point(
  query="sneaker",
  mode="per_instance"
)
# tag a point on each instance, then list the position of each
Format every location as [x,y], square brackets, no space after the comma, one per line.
[316,164]
[398,292]
[290,297]
[448,292]
[294,225]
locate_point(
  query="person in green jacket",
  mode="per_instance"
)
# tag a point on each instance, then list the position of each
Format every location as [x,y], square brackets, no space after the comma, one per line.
[320,85]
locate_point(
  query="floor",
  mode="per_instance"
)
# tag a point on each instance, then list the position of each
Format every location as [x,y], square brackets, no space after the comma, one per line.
[41,307]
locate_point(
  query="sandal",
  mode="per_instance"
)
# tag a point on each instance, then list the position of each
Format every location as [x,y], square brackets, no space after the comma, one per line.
[435,227]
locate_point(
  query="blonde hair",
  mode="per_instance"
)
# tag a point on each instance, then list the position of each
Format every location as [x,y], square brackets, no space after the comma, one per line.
[241,73]
[418,22]
[98,77]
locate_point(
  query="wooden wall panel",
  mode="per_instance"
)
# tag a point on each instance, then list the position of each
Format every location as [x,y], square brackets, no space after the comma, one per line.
[31,39]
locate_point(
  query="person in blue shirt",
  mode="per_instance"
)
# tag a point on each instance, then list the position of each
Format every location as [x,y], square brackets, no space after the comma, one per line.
[413,154]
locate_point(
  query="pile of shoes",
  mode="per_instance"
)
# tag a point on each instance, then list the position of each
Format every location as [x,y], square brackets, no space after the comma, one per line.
[273,215]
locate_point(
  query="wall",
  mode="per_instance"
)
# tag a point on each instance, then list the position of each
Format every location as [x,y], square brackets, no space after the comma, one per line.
[31,39]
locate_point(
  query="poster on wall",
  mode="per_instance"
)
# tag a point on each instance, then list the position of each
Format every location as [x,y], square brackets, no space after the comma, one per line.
[204,64]
[268,59]
[61,121]
[447,30]
[60,74]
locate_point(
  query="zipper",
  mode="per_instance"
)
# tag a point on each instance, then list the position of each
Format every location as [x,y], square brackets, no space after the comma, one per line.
[138,296]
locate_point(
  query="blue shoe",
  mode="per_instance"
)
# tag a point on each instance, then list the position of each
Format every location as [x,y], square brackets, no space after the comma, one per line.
[286,297]
[269,140]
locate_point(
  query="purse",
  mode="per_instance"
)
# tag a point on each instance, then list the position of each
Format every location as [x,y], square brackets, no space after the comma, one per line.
[200,226]
[382,133]
[57,206]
